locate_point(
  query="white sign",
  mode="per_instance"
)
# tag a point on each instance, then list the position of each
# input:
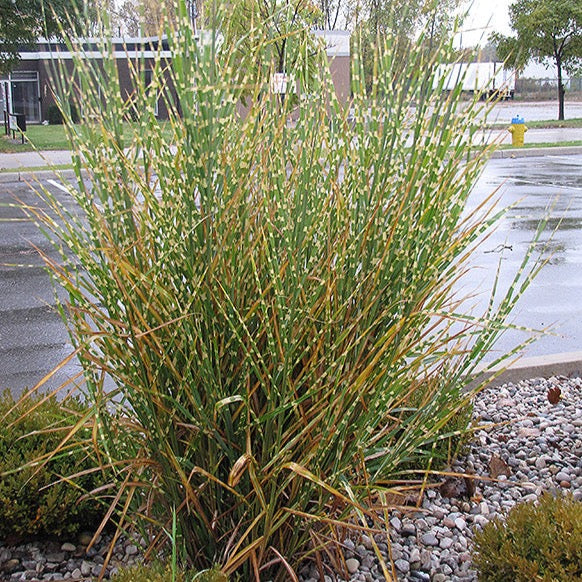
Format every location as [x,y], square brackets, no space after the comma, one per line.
[12,122]
[279,83]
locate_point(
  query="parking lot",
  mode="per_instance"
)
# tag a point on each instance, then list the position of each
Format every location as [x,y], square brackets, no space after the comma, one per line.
[33,340]
[539,188]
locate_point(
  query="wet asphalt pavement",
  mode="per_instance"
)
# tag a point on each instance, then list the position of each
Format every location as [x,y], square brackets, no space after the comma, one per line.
[33,340]
[539,188]
[504,111]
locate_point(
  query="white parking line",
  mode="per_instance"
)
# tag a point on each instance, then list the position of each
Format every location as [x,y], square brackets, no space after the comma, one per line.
[58,185]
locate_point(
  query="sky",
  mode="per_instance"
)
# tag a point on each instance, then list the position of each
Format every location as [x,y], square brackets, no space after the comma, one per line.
[487,16]
[484,17]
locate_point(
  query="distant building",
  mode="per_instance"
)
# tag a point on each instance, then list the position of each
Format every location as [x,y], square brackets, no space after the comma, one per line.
[29,88]
[484,78]
[337,46]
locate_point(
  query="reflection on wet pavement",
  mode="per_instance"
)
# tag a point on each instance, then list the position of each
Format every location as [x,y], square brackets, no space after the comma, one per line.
[542,189]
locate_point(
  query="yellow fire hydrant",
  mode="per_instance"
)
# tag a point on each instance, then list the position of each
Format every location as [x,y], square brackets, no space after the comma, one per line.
[517,130]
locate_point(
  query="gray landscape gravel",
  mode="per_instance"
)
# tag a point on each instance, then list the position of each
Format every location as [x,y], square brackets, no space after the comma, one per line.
[534,446]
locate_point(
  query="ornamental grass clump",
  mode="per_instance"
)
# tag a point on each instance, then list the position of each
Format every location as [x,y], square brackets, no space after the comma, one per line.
[263,300]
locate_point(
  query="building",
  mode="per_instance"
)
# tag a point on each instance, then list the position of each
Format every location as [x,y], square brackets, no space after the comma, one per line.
[29,88]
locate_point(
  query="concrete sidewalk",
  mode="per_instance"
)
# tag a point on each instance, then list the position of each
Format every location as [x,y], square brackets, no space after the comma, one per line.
[532,136]
[535,152]
[19,162]
[28,166]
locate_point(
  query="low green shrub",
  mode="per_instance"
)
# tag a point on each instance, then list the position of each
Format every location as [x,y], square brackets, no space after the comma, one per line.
[537,542]
[54,115]
[160,572]
[33,502]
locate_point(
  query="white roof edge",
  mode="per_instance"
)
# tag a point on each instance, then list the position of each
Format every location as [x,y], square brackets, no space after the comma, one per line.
[115,39]
[67,55]
[337,42]
[329,32]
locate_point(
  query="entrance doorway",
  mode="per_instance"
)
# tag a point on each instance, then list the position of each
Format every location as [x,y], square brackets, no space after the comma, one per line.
[22,95]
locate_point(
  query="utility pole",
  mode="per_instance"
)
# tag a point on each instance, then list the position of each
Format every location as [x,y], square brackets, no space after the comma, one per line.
[193,10]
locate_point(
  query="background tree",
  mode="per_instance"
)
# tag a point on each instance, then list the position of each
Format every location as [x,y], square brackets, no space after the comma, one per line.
[487,53]
[145,17]
[438,17]
[545,30]
[127,18]
[403,19]
[404,23]
[333,13]
[286,44]
[282,41]
[23,21]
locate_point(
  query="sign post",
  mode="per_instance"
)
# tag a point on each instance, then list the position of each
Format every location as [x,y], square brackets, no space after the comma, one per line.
[17,122]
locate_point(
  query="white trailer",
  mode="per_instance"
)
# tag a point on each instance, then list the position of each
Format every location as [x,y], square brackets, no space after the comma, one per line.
[487,79]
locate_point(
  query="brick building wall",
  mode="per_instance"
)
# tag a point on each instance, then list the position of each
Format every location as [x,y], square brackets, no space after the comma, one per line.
[30,88]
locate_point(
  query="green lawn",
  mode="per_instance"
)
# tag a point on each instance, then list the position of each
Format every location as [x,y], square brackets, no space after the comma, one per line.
[52,137]
[41,137]
[548,124]
[543,145]
[44,137]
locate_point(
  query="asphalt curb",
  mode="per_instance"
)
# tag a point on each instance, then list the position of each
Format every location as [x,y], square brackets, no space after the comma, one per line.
[535,152]
[26,175]
[567,364]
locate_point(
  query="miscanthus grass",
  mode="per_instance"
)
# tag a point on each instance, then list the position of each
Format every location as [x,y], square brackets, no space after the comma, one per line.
[263,299]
